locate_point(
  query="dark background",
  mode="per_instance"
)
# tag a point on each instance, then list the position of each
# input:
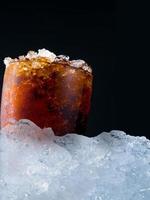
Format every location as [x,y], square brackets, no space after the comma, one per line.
[109,35]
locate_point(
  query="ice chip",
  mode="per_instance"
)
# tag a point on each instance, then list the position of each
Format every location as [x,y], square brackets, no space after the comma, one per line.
[81,64]
[31,54]
[35,164]
[62,57]
[47,54]
[7,61]
[77,63]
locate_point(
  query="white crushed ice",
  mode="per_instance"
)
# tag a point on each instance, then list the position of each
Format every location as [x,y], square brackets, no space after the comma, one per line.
[47,54]
[32,54]
[63,57]
[51,57]
[35,164]
[80,64]
[7,61]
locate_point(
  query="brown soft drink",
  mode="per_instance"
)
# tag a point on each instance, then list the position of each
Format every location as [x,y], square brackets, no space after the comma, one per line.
[49,90]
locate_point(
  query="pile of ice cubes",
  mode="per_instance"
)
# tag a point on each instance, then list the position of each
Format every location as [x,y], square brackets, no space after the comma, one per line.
[36,165]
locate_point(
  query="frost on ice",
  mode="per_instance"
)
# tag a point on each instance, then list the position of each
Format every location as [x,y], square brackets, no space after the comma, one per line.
[36,165]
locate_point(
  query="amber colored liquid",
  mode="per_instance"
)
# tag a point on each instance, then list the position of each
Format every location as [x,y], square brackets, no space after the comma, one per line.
[60,100]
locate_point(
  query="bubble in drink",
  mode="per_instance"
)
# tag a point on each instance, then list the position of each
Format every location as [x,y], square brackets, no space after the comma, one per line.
[52,91]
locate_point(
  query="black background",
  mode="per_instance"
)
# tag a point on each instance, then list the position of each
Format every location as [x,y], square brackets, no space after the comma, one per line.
[110,36]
